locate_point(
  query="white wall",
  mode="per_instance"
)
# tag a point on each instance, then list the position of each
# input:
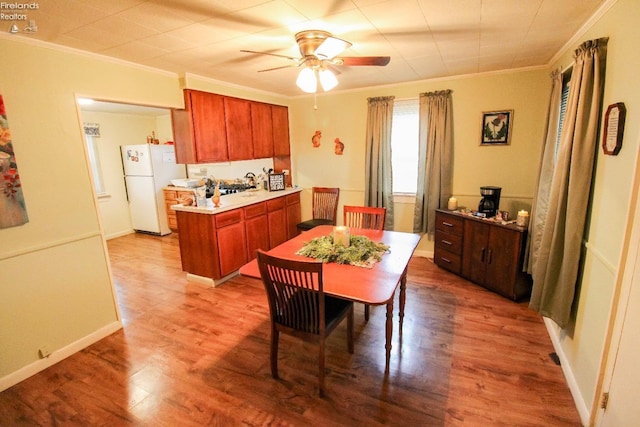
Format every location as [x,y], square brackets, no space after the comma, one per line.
[56,287]
[583,344]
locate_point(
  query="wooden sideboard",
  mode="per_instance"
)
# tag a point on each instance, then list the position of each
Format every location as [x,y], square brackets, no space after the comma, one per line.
[486,252]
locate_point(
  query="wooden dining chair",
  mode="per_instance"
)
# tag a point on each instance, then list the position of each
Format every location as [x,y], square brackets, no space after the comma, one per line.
[324,208]
[365,217]
[299,306]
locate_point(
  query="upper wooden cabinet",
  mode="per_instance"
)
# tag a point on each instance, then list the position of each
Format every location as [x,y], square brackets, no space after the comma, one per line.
[215,128]
[238,126]
[199,130]
[262,126]
[280,118]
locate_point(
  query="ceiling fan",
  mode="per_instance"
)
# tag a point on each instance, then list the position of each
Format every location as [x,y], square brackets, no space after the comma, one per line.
[319,55]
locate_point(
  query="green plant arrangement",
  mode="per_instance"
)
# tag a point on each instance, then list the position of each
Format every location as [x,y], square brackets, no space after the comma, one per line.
[362,251]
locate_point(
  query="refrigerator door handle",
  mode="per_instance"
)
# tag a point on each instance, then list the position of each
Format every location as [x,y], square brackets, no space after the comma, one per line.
[126,189]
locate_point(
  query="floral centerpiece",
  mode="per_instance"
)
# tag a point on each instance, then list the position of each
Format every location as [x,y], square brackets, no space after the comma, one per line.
[362,251]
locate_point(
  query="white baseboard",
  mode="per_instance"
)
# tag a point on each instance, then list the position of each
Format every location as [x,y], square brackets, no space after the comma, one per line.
[119,234]
[57,355]
[578,398]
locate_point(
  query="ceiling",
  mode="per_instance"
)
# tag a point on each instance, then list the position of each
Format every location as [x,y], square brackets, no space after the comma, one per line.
[425,39]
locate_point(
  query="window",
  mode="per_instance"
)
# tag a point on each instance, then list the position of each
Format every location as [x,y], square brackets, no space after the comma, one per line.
[566,79]
[404,145]
[94,161]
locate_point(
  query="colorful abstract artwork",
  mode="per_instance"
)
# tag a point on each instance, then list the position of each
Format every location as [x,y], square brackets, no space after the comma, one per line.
[12,207]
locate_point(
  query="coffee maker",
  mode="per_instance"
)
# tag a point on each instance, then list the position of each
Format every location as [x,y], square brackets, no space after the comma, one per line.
[490,201]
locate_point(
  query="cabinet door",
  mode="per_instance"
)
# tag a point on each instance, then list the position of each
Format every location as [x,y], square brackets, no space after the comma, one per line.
[280,116]
[475,251]
[277,227]
[294,215]
[257,235]
[209,134]
[262,130]
[232,247]
[503,261]
[238,121]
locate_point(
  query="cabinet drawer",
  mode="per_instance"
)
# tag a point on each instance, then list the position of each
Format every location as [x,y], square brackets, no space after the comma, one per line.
[275,204]
[227,218]
[449,242]
[449,224]
[292,199]
[255,210]
[447,260]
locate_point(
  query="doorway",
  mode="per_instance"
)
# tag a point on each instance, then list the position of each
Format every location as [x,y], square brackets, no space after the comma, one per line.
[111,125]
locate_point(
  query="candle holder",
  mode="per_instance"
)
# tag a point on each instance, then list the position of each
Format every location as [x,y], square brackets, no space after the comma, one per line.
[452,204]
[523,218]
[341,236]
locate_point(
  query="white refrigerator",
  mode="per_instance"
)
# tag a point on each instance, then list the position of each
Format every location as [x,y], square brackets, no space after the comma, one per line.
[147,169]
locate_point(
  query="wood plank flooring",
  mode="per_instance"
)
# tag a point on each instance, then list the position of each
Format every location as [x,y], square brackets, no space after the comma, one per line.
[190,355]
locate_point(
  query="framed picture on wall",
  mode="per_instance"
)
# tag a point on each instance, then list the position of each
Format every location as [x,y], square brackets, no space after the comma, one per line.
[496,127]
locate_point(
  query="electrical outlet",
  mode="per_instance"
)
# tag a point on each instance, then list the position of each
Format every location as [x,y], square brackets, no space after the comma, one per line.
[285,171]
[44,351]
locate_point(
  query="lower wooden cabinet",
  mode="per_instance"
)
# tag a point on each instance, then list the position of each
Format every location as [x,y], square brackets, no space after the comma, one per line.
[172,197]
[216,245]
[487,253]
[294,214]
[232,241]
[277,216]
[257,226]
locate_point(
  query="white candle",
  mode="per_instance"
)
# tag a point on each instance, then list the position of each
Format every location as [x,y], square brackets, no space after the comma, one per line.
[523,218]
[453,204]
[341,236]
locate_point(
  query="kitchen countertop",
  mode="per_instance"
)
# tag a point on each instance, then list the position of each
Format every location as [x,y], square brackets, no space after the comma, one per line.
[237,200]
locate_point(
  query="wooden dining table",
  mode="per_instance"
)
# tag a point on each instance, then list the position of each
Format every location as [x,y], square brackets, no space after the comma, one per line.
[374,286]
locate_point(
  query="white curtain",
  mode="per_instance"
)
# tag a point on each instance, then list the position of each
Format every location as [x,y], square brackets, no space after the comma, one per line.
[435,166]
[545,174]
[378,172]
[555,273]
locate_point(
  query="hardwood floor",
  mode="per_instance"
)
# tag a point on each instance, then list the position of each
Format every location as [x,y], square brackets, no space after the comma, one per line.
[190,355]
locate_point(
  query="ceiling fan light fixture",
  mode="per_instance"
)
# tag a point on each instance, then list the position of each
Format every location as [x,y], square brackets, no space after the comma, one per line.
[307,80]
[328,80]
[331,47]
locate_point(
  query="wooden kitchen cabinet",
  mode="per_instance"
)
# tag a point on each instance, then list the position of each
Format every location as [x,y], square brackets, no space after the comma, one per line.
[199,131]
[238,127]
[487,253]
[294,214]
[172,197]
[280,119]
[257,227]
[232,241]
[277,216]
[262,130]
[215,245]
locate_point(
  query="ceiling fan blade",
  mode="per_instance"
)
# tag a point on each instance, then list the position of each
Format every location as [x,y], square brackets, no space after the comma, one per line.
[271,54]
[278,68]
[363,60]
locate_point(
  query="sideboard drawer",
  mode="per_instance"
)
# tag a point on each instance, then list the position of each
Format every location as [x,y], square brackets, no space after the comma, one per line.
[449,242]
[449,224]
[448,260]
